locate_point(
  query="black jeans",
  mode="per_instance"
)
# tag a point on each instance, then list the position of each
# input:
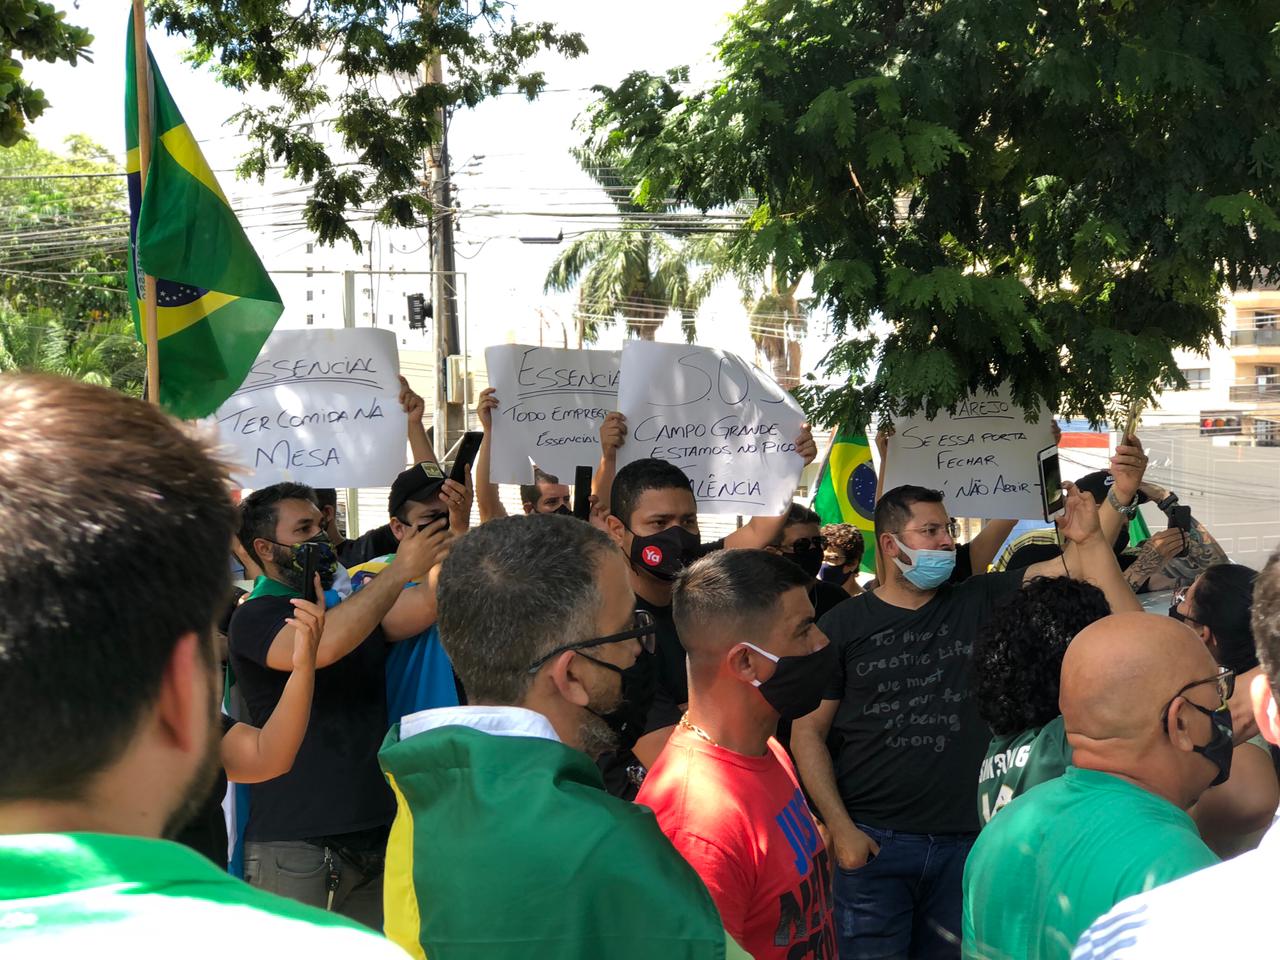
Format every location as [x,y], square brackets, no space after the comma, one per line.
[302,871]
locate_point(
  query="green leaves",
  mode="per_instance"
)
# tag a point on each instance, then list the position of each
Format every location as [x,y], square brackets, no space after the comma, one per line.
[32,29]
[1046,195]
[345,57]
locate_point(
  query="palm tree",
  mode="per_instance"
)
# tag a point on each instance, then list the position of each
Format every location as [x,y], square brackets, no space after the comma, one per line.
[637,274]
[778,325]
[107,353]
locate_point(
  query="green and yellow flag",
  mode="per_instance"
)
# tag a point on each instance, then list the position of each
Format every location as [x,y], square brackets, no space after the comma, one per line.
[846,491]
[216,304]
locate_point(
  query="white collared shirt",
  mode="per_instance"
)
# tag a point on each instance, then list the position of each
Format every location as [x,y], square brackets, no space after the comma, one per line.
[1192,916]
[498,721]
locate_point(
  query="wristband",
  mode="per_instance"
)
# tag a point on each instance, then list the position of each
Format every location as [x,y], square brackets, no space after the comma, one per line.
[1127,512]
[1167,502]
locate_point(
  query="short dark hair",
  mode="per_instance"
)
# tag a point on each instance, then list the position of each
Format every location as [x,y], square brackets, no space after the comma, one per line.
[848,539]
[1017,657]
[731,586]
[1266,620]
[1222,602]
[326,497]
[260,511]
[120,523]
[639,476]
[893,509]
[512,590]
[532,492]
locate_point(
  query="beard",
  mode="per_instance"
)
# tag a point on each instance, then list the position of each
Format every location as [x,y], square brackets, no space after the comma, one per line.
[596,734]
[202,780]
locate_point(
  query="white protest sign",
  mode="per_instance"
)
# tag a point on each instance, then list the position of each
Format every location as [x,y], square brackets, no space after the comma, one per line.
[982,457]
[726,424]
[319,407]
[551,404]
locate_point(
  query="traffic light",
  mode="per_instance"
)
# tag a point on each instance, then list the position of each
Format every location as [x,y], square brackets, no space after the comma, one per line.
[419,311]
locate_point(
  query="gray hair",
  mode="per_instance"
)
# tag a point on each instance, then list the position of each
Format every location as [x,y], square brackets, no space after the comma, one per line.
[513,590]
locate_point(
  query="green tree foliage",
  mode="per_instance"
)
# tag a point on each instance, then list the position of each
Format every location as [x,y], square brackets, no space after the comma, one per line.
[32,30]
[360,63]
[1050,195]
[63,232]
[106,353]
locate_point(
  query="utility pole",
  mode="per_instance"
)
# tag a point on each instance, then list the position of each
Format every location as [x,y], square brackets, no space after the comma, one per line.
[449,419]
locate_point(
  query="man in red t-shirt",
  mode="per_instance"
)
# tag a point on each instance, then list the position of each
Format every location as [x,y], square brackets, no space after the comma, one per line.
[723,789]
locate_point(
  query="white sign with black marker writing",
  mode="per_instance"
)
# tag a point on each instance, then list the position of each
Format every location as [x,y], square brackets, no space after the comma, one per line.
[724,422]
[319,407]
[551,402]
[982,457]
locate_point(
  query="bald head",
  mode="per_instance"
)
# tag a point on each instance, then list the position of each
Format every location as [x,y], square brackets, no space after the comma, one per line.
[1119,672]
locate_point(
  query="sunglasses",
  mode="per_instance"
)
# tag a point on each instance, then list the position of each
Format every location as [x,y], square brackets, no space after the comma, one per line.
[809,543]
[642,629]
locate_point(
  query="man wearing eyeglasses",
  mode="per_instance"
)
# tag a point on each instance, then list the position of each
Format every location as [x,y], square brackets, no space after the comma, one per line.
[895,788]
[505,843]
[1145,710]
[1178,919]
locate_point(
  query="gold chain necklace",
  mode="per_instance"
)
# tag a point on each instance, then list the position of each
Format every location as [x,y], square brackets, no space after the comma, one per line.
[698,731]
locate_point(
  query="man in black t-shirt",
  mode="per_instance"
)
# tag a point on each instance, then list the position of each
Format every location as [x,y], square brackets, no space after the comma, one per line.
[318,833]
[895,788]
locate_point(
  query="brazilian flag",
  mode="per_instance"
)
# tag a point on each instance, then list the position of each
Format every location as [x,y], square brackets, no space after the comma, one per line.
[216,304]
[846,491]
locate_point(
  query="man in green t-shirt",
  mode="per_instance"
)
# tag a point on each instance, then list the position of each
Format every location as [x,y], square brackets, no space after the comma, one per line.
[108,693]
[1145,712]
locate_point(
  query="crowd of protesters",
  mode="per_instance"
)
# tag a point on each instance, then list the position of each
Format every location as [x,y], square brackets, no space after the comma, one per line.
[597,736]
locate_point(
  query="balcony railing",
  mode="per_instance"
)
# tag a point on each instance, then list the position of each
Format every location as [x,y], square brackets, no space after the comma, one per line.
[1255,337]
[1254,392]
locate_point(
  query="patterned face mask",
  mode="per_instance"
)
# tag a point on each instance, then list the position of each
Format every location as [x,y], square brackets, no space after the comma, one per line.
[292,566]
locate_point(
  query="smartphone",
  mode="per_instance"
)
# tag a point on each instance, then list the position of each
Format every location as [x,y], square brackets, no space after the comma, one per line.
[1052,498]
[1180,519]
[468,447]
[582,493]
[1131,421]
[309,572]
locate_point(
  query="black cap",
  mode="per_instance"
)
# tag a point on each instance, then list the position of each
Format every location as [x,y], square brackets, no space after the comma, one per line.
[1098,483]
[420,483]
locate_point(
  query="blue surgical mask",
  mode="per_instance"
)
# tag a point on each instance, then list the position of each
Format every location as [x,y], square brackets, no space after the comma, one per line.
[929,569]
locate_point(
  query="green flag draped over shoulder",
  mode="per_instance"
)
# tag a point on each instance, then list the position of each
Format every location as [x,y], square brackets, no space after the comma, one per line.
[846,491]
[216,304]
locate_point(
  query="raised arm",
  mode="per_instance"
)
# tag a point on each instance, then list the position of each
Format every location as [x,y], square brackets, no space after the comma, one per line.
[613,434]
[1127,468]
[1086,555]
[414,408]
[983,547]
[486,493]
[348,624]
[252,755]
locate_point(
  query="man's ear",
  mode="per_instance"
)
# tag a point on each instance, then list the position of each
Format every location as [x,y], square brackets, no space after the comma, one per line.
[740,663]
[1179,731]
[1266,710]
[185,692]
[616,530]
[263,551]
[888,544]
[567,674]
[398,529]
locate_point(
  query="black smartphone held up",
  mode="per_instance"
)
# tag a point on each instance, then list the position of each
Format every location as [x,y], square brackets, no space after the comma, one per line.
[1180,519]
[1052,497]
[308,551]
[468,447]
[582,493]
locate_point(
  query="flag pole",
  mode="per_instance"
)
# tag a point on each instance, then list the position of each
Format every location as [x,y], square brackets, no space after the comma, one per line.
[142,75]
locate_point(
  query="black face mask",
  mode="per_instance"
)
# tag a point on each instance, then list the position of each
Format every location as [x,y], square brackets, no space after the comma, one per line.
[795,689]
[1220,747]
[829,573]
[639,684]
[810,561]
[665,553]
[292,568]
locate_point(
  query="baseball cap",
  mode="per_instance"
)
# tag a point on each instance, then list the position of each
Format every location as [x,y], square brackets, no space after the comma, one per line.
[420,482]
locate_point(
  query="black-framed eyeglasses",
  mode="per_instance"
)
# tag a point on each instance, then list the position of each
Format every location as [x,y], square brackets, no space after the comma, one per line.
[642,629]
[1226,681]
[1179,599]
[809,543]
